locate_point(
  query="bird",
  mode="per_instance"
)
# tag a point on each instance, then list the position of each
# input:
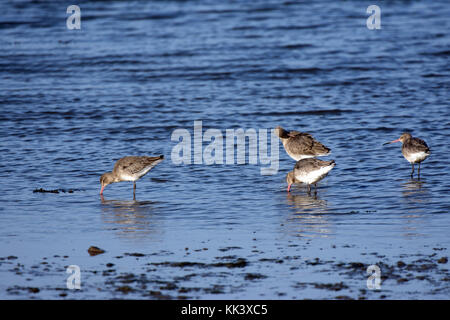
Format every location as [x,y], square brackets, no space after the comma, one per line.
[129,168]
[309,171]
[301,145]
[415,150]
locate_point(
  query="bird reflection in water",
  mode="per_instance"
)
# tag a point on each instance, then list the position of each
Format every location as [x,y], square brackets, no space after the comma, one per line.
[131,218]
[414,190]
[416,196]
[309,215]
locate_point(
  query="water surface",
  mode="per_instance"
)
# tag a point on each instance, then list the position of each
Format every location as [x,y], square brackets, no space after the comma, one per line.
[75,101]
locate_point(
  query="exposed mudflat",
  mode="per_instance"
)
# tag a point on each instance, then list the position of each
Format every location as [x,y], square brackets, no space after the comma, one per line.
[159,275]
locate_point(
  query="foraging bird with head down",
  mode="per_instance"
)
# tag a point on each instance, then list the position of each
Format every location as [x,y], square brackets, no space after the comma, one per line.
[130,168]
[309,171]
[415,150]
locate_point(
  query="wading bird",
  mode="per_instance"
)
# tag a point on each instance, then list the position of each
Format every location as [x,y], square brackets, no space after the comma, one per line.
[414,150]
[301,145]
[130,168]
[309,171]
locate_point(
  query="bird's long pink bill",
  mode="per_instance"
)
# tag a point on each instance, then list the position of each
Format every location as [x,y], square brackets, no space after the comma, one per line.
[289,188]
[398,140]
[101,191]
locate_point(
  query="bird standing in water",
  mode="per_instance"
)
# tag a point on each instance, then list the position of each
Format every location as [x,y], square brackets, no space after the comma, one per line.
[414,150]
[309,171]
[301,145]
[130,168]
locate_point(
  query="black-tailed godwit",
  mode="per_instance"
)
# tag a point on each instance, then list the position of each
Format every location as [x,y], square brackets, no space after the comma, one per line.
[309,171]
[414,150]
[301,145]
[130,168]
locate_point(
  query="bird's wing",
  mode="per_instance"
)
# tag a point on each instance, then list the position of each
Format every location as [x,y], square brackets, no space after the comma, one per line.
[294,133]
[136,164]
[304,143]
[420,145]
[311,164]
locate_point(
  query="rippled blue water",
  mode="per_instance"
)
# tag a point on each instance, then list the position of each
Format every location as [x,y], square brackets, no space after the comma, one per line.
[74,101]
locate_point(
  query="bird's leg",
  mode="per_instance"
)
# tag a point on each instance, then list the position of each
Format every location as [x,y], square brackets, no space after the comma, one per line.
[315,189]
[134,190]
[418,173]
[412,172]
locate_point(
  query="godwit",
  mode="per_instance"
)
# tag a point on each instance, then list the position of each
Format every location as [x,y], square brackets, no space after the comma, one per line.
[301,145]
[309,171]
[414,150]
[129,168]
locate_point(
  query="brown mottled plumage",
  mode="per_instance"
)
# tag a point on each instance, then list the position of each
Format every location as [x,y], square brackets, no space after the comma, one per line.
[129,168]
[309,171]
[415,150]
[301,145]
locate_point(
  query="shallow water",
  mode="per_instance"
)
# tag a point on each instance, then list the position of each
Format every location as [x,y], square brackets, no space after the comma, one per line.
[75,101]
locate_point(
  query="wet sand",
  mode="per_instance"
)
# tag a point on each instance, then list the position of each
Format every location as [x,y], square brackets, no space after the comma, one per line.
[230,275]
